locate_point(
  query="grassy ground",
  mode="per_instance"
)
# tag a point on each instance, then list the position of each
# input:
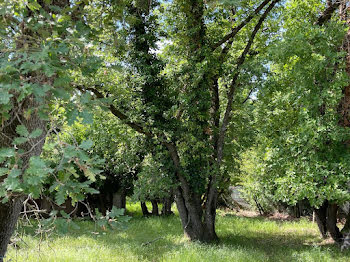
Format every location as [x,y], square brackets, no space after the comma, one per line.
[161,239]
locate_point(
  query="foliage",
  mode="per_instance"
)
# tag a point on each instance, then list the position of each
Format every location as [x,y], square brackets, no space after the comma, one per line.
[113,219]
[300,152]
[41,47]
[154,182]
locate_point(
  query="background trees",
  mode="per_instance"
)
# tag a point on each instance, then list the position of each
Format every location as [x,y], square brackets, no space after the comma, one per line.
[187,76]
[302,151]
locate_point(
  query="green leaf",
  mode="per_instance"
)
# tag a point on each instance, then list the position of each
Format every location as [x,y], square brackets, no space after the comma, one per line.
[72,116]
[64,214]
[60,93]
[12,182]
[40,91]
[116,212]
[3,171]
[22,130]
[33,5]
[20,140]
[4,97]
[60,197]
[87,117]
[36,133]
[87,144]
[7,152]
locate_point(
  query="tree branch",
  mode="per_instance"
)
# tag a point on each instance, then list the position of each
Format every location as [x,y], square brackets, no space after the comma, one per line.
[238,28]
[328,12]
[248,96]
[240,62]
[115,111]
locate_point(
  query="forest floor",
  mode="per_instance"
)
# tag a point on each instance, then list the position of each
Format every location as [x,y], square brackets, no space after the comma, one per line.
[243,237]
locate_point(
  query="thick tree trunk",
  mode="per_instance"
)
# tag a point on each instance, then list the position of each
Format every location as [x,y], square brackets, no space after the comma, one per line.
[332,227]
[346,228]
[102,205]
[144,209]
[9,213]
[166,210]
[321,219]
[326,217]
[10,210]
[119,199]
[197,225]
[155,210]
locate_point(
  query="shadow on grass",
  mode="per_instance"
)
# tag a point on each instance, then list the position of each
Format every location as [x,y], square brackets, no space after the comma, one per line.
[152,238]
[281,245]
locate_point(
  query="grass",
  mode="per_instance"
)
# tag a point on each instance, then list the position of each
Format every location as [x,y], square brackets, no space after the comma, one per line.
[161,239]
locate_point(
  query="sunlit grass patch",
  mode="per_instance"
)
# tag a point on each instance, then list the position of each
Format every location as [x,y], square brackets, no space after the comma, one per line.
[161,239]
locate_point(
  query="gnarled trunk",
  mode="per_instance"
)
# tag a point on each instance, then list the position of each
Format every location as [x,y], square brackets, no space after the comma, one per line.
[197,225]
[321,219]
[9,213]
[326,217]
[332,227]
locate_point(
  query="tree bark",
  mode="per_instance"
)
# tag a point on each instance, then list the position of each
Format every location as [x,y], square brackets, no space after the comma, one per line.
[9,213]
[321,219]
[144,209]
[119,199]
[346,228]
[332,227]
[155,210]
[166,210]
[326,218]
[196,225]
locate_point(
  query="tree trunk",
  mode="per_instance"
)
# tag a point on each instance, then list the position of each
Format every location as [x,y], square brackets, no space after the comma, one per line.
[197,225]
[102,204]
[166,210]
[10,210]
[144,209]
[346,228]
[119,199]
[297,210]
[334,231]
[9,213]
[155,210]
[321,219]
[326,217]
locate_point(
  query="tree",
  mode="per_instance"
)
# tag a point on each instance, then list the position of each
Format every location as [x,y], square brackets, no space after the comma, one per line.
[302,146]
[123,151]
[182,98]
[41,42]
[155,183]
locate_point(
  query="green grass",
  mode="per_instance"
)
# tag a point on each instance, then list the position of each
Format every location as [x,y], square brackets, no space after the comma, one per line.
[161,239]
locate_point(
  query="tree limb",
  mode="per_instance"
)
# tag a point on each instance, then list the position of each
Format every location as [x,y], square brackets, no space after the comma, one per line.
[248,96]
[115,111]
[238,28]
[240,62]
[328,12]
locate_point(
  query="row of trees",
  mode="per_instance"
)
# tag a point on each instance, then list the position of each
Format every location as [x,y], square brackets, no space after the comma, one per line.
[302,121]
[198,81]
